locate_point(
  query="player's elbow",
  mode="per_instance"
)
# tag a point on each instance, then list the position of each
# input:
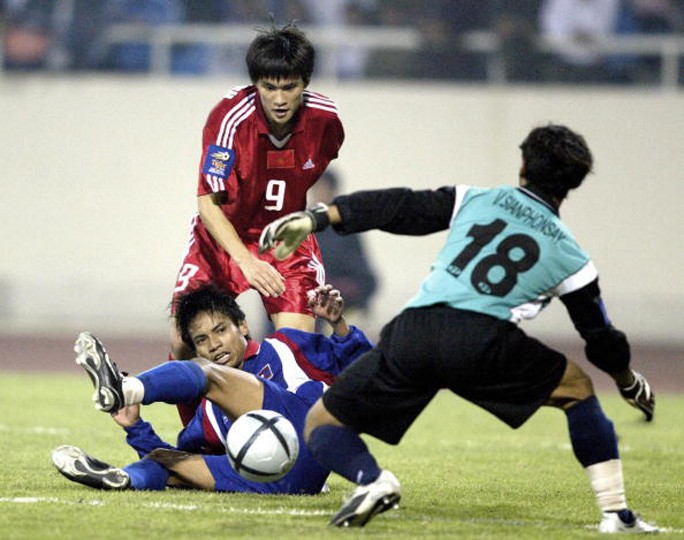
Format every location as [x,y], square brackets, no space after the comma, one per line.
[608,349]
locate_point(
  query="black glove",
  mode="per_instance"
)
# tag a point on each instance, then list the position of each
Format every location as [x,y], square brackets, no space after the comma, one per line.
[639,395]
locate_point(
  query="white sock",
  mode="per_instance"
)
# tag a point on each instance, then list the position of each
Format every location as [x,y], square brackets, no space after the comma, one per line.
[133,390]
[608,485]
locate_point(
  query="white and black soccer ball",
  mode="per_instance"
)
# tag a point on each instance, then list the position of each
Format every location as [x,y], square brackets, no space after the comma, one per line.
[262,445]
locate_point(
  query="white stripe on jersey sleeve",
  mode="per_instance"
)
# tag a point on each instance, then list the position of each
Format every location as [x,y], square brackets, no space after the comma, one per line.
[234,91]
[319,101]
[294,375]
[216,183]
[579,279]
[528,310]
[461,190]
[237,109]
[237,116]
[209,411]
[226,135]
[315,106]
[234,125]
[315,97]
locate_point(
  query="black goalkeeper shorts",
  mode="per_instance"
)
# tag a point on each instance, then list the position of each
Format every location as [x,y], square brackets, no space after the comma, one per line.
[489,362]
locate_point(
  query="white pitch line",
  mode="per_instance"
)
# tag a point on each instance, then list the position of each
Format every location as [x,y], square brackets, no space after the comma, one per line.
[275,511]
[36,430]
[55,500]
[170,506]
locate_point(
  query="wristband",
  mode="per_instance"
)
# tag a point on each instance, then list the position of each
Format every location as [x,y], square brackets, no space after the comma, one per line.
[319,216]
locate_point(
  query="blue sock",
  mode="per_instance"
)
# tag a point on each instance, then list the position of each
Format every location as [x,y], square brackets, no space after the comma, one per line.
[341,450]
[591,433]
[179,381]
[147,474]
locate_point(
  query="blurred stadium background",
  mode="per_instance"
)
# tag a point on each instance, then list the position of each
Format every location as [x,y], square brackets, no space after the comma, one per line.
[102,106]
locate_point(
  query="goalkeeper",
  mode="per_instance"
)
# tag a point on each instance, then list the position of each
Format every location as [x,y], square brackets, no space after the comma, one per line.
[507,254]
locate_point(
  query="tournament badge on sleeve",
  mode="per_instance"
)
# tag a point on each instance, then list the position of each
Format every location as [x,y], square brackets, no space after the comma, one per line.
[219,161]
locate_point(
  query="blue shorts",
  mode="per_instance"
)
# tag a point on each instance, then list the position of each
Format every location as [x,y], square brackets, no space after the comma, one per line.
[307,477]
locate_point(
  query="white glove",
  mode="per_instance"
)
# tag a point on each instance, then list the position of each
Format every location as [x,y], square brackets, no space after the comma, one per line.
[291,230]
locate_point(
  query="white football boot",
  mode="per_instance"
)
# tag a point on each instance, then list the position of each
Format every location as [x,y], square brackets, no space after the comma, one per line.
[625,521]
[368,501]
[77,466]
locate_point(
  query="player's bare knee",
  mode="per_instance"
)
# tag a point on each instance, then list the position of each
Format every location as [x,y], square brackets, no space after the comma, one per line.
[575,386]
[312,420]
[318,416]
[216,374]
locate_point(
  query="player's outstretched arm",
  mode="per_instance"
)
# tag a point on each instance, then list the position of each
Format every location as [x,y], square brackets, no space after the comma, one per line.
[288,232]
[394,210]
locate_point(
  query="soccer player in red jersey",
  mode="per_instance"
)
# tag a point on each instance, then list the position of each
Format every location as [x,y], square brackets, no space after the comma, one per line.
[263,146]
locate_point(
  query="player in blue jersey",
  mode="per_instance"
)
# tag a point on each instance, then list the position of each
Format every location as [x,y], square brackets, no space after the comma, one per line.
[507,254]
[286,373]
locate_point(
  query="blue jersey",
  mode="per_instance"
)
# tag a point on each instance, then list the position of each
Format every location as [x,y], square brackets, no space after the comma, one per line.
[296,367]
[490,262]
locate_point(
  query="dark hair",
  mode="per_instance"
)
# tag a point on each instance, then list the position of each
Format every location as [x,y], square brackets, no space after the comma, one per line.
[556,160]
[280,53]
[206,299]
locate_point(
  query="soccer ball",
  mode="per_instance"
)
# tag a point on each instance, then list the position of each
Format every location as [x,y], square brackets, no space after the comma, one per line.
[262,446]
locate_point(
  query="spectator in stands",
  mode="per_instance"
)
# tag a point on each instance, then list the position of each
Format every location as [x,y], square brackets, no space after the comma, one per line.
[346,60]
[196,58]
[137,56]
[230,59]
[658,16]
[651,17]
[55,35]
[27,35]
[351,61]
[443,24]
[393,63]
[573,28]
[514,24]
[84,38]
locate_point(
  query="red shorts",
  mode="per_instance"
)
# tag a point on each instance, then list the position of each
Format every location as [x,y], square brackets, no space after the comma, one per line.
[206,262]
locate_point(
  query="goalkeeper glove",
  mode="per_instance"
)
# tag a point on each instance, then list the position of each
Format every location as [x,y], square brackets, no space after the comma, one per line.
[639,395]
[292,229]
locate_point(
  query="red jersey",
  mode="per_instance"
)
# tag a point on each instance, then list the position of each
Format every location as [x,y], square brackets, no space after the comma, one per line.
[265,178]
[262,179]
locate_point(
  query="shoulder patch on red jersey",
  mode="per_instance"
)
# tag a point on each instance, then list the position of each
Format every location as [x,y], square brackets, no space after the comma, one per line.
[219,161]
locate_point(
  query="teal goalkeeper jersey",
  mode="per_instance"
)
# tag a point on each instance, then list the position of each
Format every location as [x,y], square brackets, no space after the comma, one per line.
[507,255]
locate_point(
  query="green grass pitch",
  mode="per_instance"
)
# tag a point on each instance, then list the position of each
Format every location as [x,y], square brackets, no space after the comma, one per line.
[463,473]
